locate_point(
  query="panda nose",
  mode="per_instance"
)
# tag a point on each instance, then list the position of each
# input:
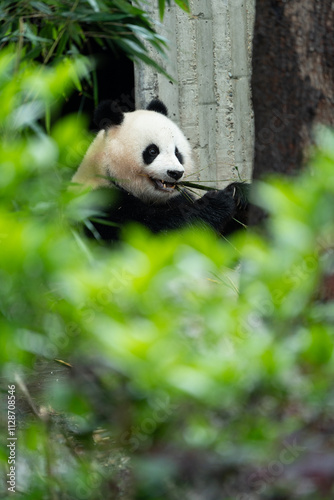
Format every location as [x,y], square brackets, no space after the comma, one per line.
[175,174]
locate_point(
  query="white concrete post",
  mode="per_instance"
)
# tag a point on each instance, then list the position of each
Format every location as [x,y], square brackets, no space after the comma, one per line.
[210,58]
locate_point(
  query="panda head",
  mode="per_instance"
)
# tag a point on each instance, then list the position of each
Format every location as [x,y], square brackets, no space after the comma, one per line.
[142,151]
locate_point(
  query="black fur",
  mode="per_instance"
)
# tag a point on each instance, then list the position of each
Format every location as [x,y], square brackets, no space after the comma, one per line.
[179,156]
[108,114]
[225,211]
[150,153]
[158,106]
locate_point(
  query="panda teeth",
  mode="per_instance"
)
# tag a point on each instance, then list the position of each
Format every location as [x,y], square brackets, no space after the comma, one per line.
[163,185]
[168,185]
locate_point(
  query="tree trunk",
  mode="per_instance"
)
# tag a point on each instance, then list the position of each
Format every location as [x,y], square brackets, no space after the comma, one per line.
[292,82]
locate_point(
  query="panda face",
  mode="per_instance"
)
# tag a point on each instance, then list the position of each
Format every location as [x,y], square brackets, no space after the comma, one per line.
[155,156]
[150,156]
[146,154]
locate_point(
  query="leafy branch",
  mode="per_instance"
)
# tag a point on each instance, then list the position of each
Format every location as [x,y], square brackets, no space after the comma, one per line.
[50,30]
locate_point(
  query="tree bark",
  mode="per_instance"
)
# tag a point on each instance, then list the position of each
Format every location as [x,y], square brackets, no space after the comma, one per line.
[292,81]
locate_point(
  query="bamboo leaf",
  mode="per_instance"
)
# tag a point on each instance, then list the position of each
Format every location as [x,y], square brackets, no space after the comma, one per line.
[47,118]
[162,4]
[183,4]
[42,7]
[94,5]
[152,37]
[197,186]
[135,52]
[62,43]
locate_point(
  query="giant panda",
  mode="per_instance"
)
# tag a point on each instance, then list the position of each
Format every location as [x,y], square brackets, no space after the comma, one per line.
[141,158]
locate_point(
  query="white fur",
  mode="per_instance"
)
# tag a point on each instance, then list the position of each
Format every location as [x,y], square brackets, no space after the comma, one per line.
[118,153]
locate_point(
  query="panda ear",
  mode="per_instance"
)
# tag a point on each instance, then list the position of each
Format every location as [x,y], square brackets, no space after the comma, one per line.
[158,106]
[107,114]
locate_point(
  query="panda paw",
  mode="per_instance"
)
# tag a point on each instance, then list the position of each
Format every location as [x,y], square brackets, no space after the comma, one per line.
[218,204]
[239,191]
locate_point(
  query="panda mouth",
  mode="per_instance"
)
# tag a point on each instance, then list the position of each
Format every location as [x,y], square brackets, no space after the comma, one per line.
[163,185]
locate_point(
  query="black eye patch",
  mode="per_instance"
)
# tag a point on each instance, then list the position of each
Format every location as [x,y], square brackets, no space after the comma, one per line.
[179,156]
[150,153]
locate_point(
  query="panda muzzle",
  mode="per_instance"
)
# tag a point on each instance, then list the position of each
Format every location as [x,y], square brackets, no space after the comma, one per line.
[163,185]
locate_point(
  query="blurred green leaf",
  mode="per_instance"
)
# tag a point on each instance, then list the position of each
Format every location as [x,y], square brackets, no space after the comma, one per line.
[189,355]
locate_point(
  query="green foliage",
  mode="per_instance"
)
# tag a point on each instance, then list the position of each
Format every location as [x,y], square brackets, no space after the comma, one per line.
[183,4]
[51,30]
[199,367]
